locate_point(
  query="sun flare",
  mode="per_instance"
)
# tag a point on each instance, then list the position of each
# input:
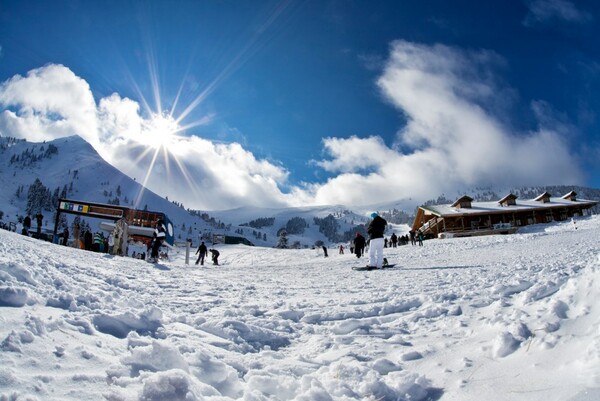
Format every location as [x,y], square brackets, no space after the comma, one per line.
[160,130]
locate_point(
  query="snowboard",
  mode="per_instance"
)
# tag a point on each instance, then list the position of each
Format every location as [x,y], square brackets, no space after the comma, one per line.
[364,268]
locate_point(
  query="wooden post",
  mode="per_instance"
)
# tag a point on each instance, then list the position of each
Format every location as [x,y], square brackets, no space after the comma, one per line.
[187,252]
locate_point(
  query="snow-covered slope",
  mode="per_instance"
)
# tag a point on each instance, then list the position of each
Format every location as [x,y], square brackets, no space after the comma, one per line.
[489,318]
[73,164]
[76,166]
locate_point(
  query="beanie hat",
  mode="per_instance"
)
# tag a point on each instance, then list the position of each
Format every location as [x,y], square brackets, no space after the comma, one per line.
[373,215]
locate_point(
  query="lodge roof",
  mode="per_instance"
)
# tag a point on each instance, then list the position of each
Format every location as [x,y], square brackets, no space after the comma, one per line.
[463,201]
[519,205]
[545,197]
[509,199]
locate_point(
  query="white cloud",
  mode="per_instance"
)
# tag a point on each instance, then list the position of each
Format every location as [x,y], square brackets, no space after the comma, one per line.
[49,102]
[52,102]
[541,11]
[453,141]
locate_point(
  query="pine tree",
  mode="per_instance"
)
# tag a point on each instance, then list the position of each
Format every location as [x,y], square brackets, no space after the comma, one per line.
[55,196]
[283,240]
[36,197]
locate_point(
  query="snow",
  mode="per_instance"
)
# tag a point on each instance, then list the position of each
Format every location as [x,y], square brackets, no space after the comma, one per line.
[499,317]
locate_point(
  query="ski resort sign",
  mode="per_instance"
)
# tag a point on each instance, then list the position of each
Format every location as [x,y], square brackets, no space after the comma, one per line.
[97,210]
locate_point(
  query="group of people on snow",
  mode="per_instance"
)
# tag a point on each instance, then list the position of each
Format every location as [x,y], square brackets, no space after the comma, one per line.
[376,241]
[203,251]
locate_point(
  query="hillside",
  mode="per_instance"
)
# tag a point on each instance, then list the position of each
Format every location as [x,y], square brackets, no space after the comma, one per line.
[71,168]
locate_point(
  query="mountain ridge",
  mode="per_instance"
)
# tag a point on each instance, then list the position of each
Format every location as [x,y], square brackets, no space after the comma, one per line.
[72,168]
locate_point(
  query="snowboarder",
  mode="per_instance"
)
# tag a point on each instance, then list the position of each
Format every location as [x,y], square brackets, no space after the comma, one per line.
[215,256]
[202,251]
[375,230]
[359,245]
[341,249]
[160,233]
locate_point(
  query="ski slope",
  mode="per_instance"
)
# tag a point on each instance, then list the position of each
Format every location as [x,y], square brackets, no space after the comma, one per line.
[499,318]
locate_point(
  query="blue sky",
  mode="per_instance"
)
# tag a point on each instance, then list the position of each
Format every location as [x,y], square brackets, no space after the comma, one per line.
[220,104]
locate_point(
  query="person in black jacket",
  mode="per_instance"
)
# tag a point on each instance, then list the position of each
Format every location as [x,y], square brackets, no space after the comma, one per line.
[160,233]
[202,251]
[359,245]
[26,225]
[375,230]
[215,256]
[65,236]
[88,239]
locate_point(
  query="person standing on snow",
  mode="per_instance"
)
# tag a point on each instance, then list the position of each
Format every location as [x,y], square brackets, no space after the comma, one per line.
[39,218]
[394,240]
[160,233]
[65,236]
[202,251]
[359,245]
[76,232]
[26,225]
[88,239]
[375,230]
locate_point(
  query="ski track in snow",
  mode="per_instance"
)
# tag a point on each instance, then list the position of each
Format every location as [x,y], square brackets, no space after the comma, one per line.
[499,317]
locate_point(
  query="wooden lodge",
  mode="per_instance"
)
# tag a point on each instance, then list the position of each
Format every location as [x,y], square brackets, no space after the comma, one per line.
[466,218]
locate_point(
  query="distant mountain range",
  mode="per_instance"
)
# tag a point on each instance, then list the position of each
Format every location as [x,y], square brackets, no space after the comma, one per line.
[34,175]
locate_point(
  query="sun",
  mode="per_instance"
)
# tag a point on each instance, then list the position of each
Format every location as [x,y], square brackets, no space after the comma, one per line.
[160,130]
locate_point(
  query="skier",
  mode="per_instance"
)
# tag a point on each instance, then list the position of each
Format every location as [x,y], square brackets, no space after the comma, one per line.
[160,233]
[375,230]
[359,245]
[202,251]
[215,256]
